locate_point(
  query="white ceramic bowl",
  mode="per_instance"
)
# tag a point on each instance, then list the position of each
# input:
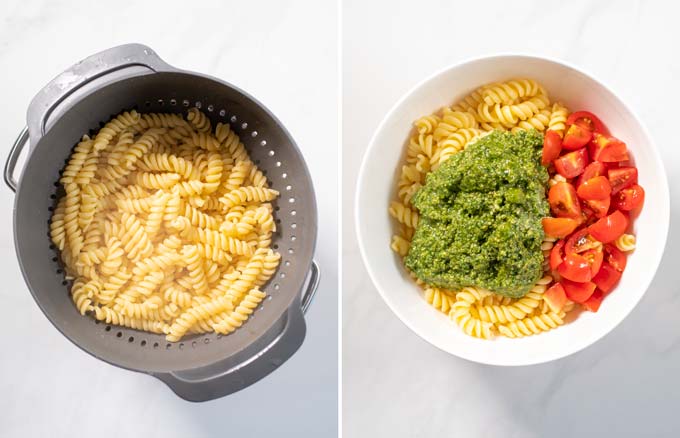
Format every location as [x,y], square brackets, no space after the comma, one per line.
[376,188]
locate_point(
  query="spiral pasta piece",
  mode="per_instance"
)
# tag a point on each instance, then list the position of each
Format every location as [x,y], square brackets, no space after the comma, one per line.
[507,92]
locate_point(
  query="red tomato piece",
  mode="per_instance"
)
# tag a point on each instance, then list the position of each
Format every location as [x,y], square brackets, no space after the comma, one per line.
[556,255]
[555,297]
[599,207]
[558,227]
[563,201]
[576,137]
[615,257]
[572,164]
[630,198]
[575,268]
[593,303]
[622,177]
[594,257]
[552,146]
[608,149]
[609,228]
[587,120]
[592,170]
[580,241]
[607,278]
[578,292]
[596,188]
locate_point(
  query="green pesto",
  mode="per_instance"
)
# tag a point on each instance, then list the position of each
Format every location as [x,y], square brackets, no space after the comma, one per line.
[480,217]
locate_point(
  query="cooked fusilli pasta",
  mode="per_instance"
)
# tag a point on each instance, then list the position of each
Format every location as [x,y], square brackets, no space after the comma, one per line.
[165,226]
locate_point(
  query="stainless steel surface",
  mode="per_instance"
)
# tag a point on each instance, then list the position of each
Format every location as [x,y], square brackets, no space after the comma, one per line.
[12,158]
[312,286]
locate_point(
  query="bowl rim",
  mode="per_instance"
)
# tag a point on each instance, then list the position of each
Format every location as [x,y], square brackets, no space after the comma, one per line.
[585,341]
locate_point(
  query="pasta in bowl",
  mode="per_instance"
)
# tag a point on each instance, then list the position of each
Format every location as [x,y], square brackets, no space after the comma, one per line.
[469,110]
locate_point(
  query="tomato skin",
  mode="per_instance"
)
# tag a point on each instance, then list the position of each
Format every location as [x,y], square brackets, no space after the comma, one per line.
[563,201]
[552,146]
[596,188]
[578,292]
[575,268]
[607,278]
[593,303]
[630,198]
[616,258]
[609,228]
[572,164]
[558,227]
[580,241]
[556,255]
[592,170]
[576,137]
[608,149]
[599,207]
[622,177]
[587,120]
[555,297]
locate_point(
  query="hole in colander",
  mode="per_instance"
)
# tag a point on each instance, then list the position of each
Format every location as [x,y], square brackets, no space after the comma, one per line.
[52,246]
[198,104]
[223,113]
[289,188]
[293,213]
[291,251]
[293,225]
[181,346]
[269,298]
[206,340]
[59,271]
[193,344]
[185,103]
[161,102]
[108,328]
[253,134]
[173,102]
[219,335]
[293,238]
[282,275]
[210,108]
[277,208]
[50,209]
[284,175]
[119,334]
[54,259]
[56,184]
[64,283]
[53,196]
[275,246]
[168,346]
[155,345]
[244,125]
[131,339]
[147,103]
[257,161]
[96,321]
[276,286]
[143,343]
[278,221]
[271,153]
[291,200]
[233,119]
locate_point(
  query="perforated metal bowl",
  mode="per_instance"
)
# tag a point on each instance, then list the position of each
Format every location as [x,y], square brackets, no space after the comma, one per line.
[78,101]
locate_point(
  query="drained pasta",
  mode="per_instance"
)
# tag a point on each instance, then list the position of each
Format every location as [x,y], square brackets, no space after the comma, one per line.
[165,226]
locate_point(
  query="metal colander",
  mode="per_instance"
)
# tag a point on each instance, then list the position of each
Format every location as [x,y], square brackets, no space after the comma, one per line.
[80,100]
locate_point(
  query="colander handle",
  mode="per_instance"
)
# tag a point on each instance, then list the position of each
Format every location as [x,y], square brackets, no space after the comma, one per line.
[13,157]
[312,286]
[99,65]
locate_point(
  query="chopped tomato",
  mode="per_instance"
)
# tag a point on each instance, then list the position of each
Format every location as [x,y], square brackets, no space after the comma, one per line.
[556,255]
[563,201]
[608,149]
[552,146]
[587,120]
[594,257]
[615,257]
[580,241]
[593,303]
[609,228]
[576,137]
[599,207]
[630,198]
[555,297]
[596,188]
[622,177]
[578,292]
[575,268]
[572,164]
[559,226]
[591,171]
[607,278]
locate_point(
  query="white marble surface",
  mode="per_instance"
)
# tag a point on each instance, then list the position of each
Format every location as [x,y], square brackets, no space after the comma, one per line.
[285,54]
[395,384]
